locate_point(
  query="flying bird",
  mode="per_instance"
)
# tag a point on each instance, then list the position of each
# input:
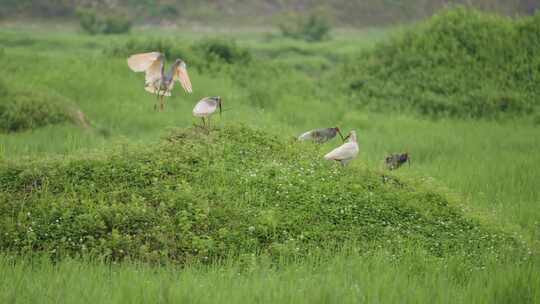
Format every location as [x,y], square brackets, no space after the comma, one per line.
[206,107]
[346,152]
[156,81]
[321,135]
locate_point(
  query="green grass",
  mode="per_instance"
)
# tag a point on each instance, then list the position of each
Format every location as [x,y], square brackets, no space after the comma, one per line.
[342,278]
[488,168]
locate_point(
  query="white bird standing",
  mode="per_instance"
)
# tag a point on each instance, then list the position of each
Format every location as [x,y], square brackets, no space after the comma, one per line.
[206,107]
[346,152]
[156,81]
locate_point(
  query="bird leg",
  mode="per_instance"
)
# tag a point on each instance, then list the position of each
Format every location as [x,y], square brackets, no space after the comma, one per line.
[157,99]
[344,162]
[203,123]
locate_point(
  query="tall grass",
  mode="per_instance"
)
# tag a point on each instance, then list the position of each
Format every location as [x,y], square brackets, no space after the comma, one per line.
[342,278]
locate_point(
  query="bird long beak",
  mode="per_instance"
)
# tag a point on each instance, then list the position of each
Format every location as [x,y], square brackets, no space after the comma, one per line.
[341,135]
[220,110]
[347,137]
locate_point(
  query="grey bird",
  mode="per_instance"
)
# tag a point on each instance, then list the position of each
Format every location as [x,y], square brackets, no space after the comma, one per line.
[321,135]
[156,81]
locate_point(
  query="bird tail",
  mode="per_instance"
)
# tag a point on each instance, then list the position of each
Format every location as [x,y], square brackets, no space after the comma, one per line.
[153,90]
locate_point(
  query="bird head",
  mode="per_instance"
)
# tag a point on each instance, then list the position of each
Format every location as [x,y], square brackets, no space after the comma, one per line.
[218,99]
[180,62]
[406,158]
[351,136]
[339,132]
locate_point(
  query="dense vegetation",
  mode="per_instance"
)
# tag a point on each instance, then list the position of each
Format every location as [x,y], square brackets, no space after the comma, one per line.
[21,110]
[93,22]
[314,27]
[459,63]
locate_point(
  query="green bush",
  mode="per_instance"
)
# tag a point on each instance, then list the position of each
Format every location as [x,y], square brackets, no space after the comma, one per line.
[222,50]
[134,46]
[28,110]
[94,23]
[459,63]
[231,192]
[204,55]
[314,27]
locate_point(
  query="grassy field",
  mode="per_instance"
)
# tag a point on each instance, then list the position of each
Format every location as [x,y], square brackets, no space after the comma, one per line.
[489,166]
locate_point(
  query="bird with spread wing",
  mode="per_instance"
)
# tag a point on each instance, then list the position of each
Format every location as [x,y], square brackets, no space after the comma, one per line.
[156,80]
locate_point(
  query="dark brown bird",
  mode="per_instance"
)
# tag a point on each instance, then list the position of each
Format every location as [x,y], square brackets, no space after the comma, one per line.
[394,161]
[321,135]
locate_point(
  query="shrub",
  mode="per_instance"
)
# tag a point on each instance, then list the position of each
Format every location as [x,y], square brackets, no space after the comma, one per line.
[168,47]
[459,63]
[28,110]
[314,27]
[94,23]
[206,54]
[222,50]
[168,11]
[231,192]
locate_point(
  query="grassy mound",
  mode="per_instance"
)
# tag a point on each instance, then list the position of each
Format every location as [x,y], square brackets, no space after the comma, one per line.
[459,63]
[233,191]
[25,110]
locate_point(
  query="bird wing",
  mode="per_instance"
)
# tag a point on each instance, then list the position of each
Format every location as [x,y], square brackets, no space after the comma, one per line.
[346,151]
[141,62]
[154,73]
[150,63]
[182,76]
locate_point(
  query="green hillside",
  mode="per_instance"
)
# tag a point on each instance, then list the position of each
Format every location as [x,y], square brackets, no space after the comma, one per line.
[459,63]
[233,191]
